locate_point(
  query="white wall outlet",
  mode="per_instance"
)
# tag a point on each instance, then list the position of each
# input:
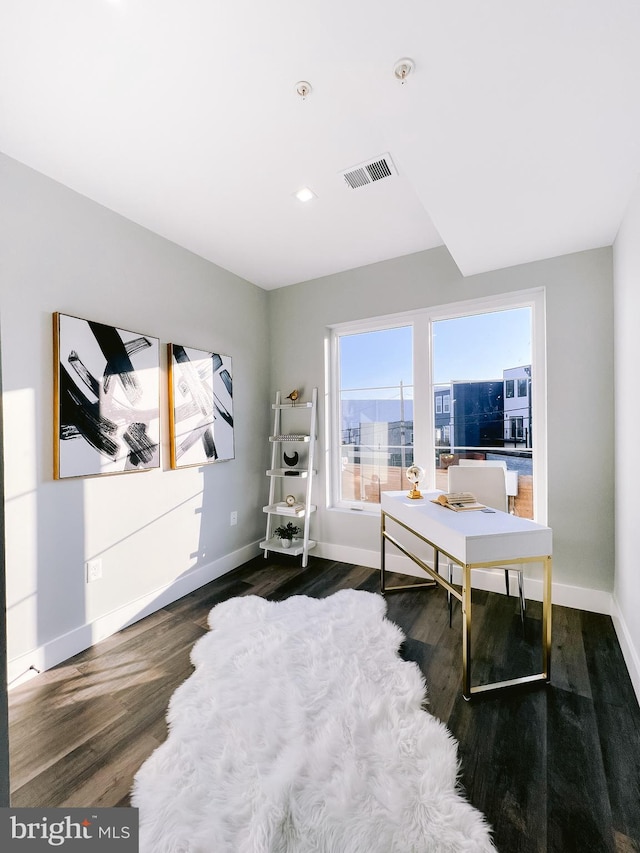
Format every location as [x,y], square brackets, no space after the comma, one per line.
[234,518]
[94,570]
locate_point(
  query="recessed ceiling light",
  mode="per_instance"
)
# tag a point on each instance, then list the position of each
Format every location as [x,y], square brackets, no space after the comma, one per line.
[305,194]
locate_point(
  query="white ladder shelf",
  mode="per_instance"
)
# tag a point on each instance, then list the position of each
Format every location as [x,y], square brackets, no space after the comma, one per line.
[280,478]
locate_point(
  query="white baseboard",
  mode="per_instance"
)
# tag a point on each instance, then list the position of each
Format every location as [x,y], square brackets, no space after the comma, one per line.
[630,653]
[594,600]
[44,657]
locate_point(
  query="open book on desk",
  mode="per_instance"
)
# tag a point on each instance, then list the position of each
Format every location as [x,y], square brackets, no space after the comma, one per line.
[459,501]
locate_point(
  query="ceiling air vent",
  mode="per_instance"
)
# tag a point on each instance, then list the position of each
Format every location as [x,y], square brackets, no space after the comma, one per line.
[373,170]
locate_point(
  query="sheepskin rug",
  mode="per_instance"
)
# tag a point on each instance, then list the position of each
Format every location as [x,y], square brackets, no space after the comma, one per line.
[301,730]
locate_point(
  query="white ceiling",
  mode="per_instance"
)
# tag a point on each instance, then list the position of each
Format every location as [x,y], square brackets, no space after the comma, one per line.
[517,137]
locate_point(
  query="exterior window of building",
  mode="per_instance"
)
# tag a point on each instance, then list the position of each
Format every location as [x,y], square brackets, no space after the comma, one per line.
[517,428]
[439,386]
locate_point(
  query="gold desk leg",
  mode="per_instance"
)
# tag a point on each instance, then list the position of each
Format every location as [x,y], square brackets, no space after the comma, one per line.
[466,632]
[541,677]
[382,549]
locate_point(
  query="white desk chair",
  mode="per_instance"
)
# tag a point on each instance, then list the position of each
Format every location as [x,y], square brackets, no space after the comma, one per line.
[511,476]
[488,484]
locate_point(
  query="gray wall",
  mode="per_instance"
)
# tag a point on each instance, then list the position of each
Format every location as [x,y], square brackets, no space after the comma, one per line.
[627,314]
[4,711]
[580,381]
[61,252]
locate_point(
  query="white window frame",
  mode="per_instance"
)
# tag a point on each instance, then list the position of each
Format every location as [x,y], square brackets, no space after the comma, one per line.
[423,387]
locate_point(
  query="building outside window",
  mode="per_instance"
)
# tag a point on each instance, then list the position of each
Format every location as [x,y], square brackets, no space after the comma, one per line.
[518,411]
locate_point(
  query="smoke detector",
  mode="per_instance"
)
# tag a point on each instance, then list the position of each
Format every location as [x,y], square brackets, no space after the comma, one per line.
[372,170]
[303,88]
[403,68]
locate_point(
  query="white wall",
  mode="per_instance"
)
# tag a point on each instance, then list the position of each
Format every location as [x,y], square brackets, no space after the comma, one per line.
[626,264]
[158,533]
[580,390]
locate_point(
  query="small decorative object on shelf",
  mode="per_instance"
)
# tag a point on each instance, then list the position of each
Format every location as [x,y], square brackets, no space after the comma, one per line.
[291,460]
[286,532]
[293,396]
[283,508]
[290,500]
[293,436]
[415,475]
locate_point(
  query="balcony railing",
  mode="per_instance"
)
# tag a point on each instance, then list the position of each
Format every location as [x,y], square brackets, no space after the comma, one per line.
[368,470]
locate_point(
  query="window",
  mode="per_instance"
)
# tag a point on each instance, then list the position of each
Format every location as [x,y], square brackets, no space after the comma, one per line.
[516,429]
[375,412]
[456,368]
[482,356]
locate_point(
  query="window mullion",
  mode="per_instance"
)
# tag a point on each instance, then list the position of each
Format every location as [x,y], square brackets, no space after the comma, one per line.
[423,399]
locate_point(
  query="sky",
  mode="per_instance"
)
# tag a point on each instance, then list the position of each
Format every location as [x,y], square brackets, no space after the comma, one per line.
[483,345]
[480,346]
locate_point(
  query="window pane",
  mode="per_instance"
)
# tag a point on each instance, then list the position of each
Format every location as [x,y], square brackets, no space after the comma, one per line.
[481,361]
[376,412]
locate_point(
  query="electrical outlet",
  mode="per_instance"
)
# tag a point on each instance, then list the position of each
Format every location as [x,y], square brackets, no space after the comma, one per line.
[234,518]
[94,570]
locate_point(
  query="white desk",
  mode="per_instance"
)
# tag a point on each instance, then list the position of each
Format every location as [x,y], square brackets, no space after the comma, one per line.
[472,540]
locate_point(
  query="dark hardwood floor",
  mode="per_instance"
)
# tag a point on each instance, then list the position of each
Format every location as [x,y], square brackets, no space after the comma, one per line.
[553,769]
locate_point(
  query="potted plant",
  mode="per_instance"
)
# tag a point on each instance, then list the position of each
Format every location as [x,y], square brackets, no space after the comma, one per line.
[286,533]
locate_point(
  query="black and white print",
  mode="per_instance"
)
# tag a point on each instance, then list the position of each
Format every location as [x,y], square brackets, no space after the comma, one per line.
[201,406]
[107,400]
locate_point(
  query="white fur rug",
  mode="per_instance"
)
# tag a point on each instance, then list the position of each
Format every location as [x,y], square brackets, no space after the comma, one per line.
[302,731]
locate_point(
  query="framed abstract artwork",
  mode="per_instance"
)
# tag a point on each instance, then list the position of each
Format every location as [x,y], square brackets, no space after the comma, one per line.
[106,399]
[200,406]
